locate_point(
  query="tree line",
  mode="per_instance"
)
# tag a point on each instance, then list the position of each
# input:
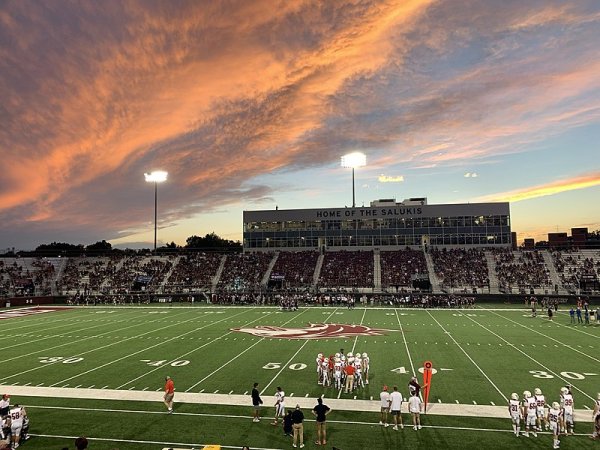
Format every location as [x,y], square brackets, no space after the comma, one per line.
[209,242]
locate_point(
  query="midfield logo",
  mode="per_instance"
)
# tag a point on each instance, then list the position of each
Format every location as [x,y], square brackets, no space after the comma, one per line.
[313,331]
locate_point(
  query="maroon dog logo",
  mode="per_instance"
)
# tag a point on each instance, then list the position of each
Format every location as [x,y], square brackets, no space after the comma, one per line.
[314,331]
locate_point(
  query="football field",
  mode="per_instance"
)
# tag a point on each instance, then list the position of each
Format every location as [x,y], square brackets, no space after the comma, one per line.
[99,372]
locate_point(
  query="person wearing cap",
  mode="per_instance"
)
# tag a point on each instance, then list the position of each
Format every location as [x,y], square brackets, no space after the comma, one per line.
[4,405]
[169,394]
[298,426]
[385,406]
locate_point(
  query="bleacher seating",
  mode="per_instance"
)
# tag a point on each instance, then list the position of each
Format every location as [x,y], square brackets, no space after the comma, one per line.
[347,269]
[297,268]
[399,267]
[462,268]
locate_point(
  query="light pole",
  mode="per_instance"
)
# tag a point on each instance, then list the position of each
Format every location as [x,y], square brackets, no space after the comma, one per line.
[354,160]
[158,176]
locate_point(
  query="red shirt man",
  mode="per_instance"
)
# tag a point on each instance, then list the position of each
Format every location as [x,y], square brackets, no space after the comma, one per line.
[169,394]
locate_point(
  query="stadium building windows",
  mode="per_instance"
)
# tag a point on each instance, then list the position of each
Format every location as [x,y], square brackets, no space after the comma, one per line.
[385,224]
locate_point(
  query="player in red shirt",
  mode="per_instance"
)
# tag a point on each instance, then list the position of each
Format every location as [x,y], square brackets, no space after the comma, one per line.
[169,394]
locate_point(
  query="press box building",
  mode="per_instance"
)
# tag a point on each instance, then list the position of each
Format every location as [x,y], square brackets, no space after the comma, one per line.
[385,224]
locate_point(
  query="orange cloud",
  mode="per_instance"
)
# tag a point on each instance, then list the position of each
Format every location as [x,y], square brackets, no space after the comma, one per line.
[580,182]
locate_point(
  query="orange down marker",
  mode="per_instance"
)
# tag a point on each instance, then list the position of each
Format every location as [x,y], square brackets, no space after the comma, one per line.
[426,382]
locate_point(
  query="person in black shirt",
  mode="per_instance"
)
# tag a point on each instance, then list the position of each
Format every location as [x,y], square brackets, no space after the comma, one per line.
[298,426]
[320,411]
[256,402]
[287,424]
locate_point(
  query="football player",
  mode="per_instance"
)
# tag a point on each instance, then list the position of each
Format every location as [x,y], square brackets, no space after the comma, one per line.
[529,413]
[17,413]
[337,373]
[541,409]
[326,381]
[515,413]
[567,403]
[358,380]
[554,419]
[318,361]
[596,417]
[366,360]
[279,406]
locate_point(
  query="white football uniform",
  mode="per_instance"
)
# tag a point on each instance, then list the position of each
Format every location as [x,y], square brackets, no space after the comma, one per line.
[531,406]
[541,404]
[365,363]
[16,420]
[554,420]
[514,409]
[280,403]
[567,405]
[325,372]
[597,409]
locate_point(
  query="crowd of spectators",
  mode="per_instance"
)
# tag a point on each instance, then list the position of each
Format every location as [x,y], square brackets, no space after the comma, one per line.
[194,271]
[26,276]
[525,268]
[419,300]
[573,267]
[244,272]
[461,267]
[296,268]
[344,268]
[398,267]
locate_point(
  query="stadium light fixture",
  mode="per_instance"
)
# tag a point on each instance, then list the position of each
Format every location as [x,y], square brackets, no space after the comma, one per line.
[354,160]
[158,176]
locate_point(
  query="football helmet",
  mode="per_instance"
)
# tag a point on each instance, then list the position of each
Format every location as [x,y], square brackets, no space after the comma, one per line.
[364,355]
[514,396]
[320,355]
[537,391]
[350,360]
[358,355]
[564,390]
[349,355]
[337,355]
[526,394]
[598,395]
[555,405]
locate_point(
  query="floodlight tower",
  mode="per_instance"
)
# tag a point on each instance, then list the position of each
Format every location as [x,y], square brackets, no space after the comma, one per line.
[354,160]
[158,176]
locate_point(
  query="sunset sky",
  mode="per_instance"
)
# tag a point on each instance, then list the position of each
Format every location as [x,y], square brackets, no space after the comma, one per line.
[251,104]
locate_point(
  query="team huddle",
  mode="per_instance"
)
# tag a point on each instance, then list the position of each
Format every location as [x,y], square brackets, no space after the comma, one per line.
[348,372]
[535,412]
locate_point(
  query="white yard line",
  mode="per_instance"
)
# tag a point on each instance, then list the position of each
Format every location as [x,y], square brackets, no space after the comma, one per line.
[27,341]
[356,338]
[570,347]
[145,348]
[70,343]
[405,344]
[284,366]
[240,354]
[470,359]
[510,344]
[437,409]
[162,366]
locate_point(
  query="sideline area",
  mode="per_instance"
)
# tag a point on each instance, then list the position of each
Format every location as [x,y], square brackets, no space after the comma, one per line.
[439,409]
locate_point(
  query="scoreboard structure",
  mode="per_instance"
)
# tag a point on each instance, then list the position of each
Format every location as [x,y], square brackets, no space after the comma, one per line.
[385,224]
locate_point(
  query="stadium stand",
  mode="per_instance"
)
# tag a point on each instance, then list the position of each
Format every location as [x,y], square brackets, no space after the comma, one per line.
[526,269]
[398,267]
[461,268]
[296,268]
[347,269]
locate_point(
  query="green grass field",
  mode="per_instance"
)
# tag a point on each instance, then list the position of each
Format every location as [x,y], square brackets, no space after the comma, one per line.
[480,355]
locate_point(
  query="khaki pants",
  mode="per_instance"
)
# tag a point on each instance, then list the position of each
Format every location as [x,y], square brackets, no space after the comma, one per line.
[298,430]
[349,382]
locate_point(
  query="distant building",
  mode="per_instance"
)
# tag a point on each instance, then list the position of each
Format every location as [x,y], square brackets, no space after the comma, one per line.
[558,240]
[385,224]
